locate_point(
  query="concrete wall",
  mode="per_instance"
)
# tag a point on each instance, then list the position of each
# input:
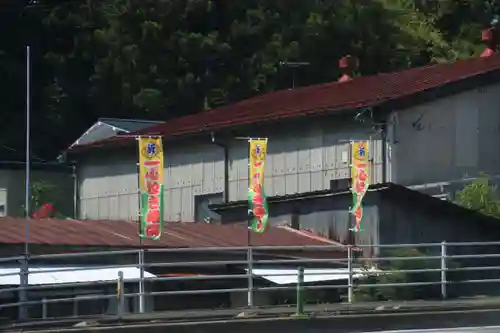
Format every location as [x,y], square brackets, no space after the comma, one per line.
[434,319]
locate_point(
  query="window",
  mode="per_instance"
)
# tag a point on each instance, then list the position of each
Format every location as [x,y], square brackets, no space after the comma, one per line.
[201,204]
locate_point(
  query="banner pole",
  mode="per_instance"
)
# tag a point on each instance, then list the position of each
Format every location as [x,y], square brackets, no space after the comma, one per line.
[141,241]
[23,310]
[249,238]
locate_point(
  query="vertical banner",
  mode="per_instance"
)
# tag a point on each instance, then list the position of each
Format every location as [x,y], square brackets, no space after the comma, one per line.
[257,201]
[360,180]
[151,187]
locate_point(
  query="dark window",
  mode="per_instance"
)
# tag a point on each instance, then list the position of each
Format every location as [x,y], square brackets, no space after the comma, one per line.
[201,204]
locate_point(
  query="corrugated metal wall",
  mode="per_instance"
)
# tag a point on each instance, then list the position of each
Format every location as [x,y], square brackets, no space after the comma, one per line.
[296,163]
[302,160]
[448,139]
[324,215]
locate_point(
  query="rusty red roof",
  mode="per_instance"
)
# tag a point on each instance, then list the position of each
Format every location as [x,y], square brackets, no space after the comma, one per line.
[123,234]
[322,98]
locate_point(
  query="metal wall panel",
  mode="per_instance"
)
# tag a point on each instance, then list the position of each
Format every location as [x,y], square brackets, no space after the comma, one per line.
[449,138]
[108,185]
[305,162]
[488,130]
[297,163]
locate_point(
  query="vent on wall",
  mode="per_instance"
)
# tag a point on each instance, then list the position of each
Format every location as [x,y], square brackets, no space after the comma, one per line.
[340,184]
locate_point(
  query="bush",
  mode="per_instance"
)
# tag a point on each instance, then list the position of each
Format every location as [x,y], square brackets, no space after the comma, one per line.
[382,293]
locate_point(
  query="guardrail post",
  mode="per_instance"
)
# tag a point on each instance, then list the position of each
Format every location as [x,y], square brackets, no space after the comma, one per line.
[350,275]
[23,293]
[44,308]
[443,270]
[250,277]
[300,296]
[141,281]
[120,295]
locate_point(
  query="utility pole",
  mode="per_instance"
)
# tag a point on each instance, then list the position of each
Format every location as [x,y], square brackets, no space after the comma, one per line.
[293,66]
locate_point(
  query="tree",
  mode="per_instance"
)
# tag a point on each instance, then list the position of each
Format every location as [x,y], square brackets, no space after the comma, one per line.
[158,59]
[481,196]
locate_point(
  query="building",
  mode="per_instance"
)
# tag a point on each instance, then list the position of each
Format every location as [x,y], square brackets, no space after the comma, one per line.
[431,124]
[393,215]
[57,175]
[60,178]
[94,252]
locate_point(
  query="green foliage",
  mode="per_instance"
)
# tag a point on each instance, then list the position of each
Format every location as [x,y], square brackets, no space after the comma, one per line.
[158,59]
[480,196]
[43,192]
[400,292]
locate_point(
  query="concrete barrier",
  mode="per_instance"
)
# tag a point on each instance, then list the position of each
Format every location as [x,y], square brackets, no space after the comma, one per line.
[337,324]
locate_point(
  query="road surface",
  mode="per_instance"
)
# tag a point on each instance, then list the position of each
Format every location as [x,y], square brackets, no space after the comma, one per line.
[483,329]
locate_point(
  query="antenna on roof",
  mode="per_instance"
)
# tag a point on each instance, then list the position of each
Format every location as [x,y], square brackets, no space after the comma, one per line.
[293,66]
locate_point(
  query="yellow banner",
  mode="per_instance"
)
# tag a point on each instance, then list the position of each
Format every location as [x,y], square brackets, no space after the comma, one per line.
[360,179]
[359,158]
[151,186]
[257,161]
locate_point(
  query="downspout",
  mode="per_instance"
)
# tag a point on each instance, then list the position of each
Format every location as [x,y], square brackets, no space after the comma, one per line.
[385,161]
[75,191]
[225,149]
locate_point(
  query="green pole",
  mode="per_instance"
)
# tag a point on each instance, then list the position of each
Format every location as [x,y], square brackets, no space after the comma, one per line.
[300,296]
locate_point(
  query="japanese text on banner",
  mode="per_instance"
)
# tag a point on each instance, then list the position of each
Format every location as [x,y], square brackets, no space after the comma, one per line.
[257,201]
[151,187]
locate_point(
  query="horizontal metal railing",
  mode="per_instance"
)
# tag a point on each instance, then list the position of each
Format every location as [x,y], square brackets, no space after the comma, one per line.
[471,264]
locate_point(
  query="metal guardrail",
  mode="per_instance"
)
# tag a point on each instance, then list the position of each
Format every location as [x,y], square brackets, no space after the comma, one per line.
[447,258]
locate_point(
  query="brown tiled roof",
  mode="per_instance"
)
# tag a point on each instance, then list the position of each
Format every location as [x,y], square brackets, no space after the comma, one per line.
[322,98]
[124,234]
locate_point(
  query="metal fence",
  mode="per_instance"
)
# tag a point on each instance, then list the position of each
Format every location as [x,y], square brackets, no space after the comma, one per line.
[147,280]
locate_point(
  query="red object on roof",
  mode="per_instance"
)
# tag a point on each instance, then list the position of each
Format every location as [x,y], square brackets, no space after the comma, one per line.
[319,99]
[44,212]
[125,234]
[347,65]
[489,37]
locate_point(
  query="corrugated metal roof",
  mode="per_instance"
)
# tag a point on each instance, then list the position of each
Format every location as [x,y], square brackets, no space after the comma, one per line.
[130,125]
[321,99]
[284,276]
[124,234]
[39,275]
